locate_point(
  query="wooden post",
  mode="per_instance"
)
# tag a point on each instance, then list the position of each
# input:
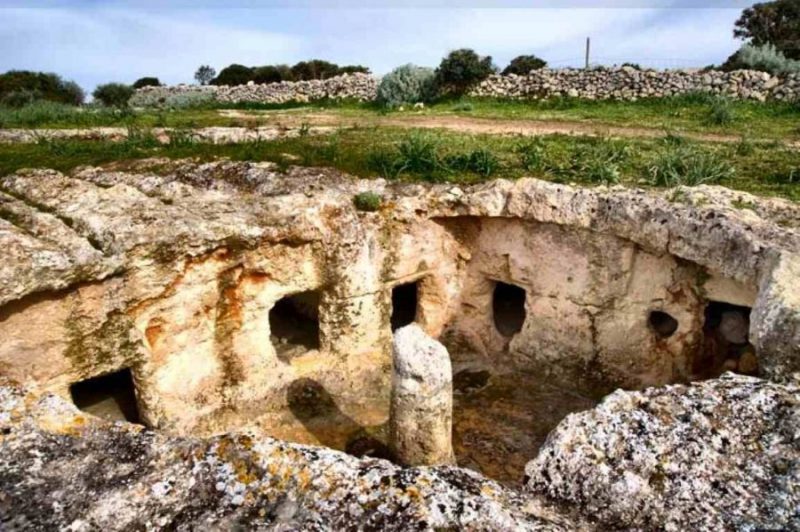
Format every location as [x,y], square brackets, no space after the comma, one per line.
[588,47]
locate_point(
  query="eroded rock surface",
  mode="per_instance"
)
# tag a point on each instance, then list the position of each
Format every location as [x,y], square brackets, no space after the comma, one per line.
[421,415]
[720,454]
[61,469]
[171,271]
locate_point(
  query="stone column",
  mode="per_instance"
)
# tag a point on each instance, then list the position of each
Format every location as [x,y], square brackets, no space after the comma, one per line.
[421,416]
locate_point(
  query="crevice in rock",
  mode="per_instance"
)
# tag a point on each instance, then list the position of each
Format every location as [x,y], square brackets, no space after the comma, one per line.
[66,220]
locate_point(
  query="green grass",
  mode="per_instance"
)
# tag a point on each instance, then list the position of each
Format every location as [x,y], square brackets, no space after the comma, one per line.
[698,113]
[691,113]
[439,156]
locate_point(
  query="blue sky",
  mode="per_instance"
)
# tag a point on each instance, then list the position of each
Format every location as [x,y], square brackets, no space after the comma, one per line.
[93,42]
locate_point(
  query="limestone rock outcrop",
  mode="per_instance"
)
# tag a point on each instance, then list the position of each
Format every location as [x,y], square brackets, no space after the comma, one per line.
[716,455]
[421,411]
[63,470]
[173,269]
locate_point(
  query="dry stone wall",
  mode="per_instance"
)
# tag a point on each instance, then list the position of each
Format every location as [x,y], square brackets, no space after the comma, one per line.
[629,83]
[361,87]
[622,83]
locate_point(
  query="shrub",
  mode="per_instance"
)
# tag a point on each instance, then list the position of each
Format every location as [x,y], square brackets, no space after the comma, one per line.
[72,93]
[384,162]
[480,161]
[405,85]
[766,58]
[418,153]
[204,74]
[20,98]
[353,69]
[314,69]
[531,154]
[685,165]
[721,112]
[113,94]
[233,75]
[42,86]
[595,160]
[146,82]
[267,74]
[523,64]
[367,201]
[461,70]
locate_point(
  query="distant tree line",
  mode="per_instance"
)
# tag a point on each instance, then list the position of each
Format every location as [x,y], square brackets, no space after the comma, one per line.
[771,31]
[237,74]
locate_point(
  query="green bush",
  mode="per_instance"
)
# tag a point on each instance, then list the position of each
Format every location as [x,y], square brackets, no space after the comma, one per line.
[43,86]
[418,153]
[461,70]
[233,75]
[146,82]
[594,160]
[319,69]
[481,161]
[531,154]
[523,64]
[20,98]
[687,165]
[113,94]
[721,112]
[367,201]
[766,58]
[406,85]
[267,74]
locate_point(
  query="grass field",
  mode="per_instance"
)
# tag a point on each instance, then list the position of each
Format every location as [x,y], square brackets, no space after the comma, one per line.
[439,156]
[697,113]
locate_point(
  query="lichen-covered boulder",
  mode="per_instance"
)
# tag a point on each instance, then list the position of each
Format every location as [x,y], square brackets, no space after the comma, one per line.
[63,470]
[717,455]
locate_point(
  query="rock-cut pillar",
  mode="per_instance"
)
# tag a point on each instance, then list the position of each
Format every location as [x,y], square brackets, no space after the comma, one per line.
[421,417]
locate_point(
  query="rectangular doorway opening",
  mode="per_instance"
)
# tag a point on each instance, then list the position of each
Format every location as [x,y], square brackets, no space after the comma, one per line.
[294,324]
[405,298]
[508,308]
[111,397]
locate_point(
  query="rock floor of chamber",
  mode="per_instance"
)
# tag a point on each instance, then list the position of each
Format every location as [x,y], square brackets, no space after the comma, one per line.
[499,422]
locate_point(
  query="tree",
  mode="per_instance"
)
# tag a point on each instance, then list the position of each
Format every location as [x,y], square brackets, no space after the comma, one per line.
[267,74]
[39,86]
[523,64]
[314,69]
[146,82]
[113,94]
[461,70]
[776,23]
[234,74]
[353,69]
[205,74]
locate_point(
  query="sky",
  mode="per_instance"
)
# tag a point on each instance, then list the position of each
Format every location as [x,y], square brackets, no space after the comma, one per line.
[94,41]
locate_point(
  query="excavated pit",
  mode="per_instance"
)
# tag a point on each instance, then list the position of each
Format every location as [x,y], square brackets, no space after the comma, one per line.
[289,333]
